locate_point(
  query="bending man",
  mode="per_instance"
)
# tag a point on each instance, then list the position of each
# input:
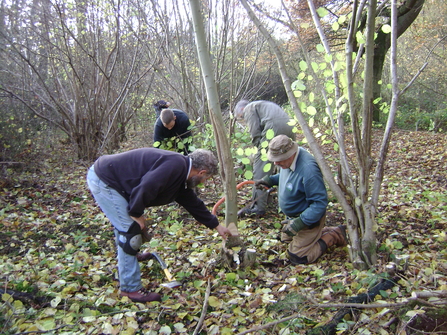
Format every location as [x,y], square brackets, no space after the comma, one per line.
[260,116]
[173,123]
[125,184]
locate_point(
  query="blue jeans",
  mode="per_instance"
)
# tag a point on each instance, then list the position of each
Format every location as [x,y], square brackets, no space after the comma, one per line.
[114,207]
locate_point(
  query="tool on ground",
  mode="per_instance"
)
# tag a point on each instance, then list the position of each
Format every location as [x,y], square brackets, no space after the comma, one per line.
[172,283]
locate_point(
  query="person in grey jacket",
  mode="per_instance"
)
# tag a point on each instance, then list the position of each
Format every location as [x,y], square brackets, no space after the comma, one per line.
[259,117]
[124,184]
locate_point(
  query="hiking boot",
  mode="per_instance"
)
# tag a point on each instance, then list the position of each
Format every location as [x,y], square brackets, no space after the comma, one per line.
[250,212]
[335,236]
[142,295]
[144,256]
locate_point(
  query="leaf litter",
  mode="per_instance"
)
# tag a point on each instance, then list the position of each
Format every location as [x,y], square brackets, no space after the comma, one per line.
[58,252]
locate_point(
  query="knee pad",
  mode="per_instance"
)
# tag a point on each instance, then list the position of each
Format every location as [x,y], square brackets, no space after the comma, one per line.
[131,240]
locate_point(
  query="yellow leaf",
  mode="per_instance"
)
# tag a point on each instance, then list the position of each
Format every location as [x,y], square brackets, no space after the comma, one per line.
[46,324]
[214,301]
[69,246]
[7,297]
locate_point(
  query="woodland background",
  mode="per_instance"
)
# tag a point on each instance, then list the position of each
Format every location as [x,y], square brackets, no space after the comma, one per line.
[78,80]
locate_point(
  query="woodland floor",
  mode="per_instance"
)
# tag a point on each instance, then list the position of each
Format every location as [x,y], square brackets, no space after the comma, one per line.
[57,258]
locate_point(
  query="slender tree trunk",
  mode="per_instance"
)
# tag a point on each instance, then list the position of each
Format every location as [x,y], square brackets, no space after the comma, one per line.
[222,141]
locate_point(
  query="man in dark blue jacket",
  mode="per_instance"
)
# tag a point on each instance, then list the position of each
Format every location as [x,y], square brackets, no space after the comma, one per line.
[173,123]
[125,184]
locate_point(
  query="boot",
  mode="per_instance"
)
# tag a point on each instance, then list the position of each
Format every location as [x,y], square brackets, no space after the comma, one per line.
[335,236]
[144,256]
[250,212]
[142,296]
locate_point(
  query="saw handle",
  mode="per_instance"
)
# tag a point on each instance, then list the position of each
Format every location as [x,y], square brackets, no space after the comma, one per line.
[163,266]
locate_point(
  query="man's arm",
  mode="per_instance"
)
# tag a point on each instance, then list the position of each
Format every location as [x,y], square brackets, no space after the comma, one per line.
[158,131]
[316,196]
[195,206]
[253,123]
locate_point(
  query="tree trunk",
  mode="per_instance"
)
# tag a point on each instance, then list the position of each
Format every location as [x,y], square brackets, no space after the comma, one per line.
[222,142]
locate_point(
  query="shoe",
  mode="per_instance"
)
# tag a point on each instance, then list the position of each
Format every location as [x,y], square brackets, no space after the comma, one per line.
[335,236]
[142,296]
[250,212]
[144,256]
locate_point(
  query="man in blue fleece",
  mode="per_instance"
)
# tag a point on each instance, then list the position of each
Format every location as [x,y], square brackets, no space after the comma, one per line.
[302,197]
[125,184]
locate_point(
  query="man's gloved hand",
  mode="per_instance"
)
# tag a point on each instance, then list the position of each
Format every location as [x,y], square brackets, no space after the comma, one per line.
[293,226]
[263,183]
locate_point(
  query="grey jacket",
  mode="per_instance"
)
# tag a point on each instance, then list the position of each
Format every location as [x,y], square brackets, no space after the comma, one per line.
[260,116]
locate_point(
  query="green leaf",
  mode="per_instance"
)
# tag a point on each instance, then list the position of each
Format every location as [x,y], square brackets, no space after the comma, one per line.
[303,65]
[360,38]
[305,25]
[248,151]
[231,276]
[386,28]
[270,134]
[267,167]
[298,85]
[335,26]
[320,48]
[248,175]
[198,283]
[322,12]
[311,110]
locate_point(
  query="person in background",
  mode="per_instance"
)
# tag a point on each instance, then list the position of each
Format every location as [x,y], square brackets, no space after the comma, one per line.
[259,117]
[124,184]
[302,197]
[172,123]
[160,105]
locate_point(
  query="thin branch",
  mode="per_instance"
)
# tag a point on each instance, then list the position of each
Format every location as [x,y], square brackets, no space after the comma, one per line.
[415,296]
[204,308]
[270,324]
[422,67]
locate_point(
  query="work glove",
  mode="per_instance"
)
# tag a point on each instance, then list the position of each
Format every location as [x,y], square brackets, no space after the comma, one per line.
[293,226]
[263,183]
